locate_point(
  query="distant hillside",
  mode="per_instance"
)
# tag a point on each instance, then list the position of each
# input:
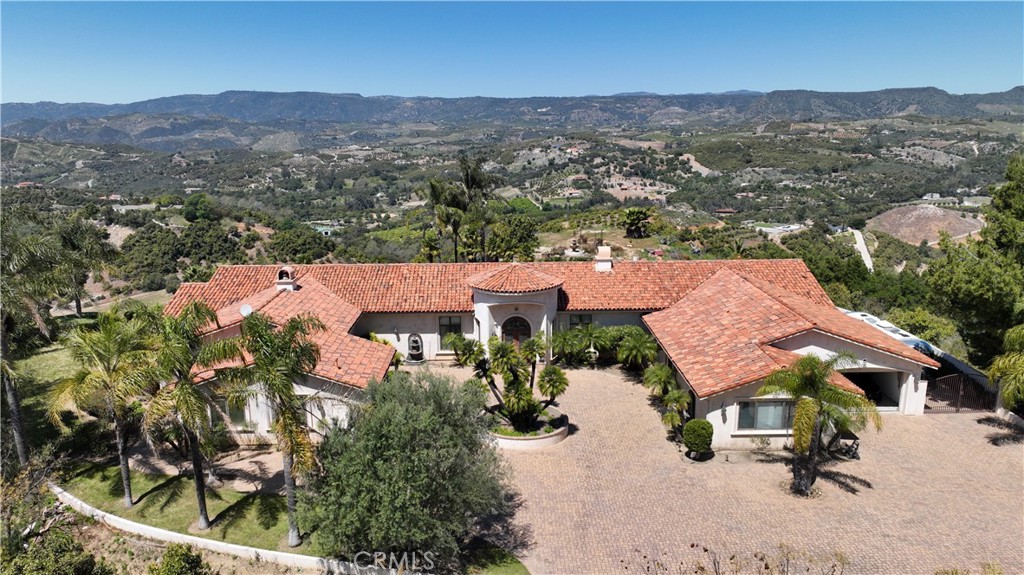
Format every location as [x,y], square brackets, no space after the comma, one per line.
[239,119]
[922,222]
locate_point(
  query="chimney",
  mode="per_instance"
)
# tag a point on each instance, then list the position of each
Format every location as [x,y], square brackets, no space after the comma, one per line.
[286,278]
[603,259]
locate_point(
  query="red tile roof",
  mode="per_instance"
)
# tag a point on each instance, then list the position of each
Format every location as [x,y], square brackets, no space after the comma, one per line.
[719,334]
[513,278]
[436,288]
[344,358]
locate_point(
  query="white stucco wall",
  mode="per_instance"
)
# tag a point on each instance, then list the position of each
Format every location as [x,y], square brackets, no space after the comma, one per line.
[911,389]
[723,412]
[397,327]
[602,318]
[491,310]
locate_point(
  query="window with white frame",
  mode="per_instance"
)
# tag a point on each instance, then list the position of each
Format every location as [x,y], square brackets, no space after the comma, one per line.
[576,320]
[448,324]
[766,415]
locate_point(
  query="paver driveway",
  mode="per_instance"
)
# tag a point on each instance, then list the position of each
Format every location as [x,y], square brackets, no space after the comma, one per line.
[937,494]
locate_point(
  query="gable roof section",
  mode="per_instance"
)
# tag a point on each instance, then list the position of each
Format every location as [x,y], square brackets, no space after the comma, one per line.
[344,358]
[438,288]
[719,334]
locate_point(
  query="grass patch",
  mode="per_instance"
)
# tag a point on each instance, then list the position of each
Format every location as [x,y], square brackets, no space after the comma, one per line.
[36,376]
[485,558]
[168,502]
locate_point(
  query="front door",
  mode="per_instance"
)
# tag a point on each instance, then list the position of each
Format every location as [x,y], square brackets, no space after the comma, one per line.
[515,330]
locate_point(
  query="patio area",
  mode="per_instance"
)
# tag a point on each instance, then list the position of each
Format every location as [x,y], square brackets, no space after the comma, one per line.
[930,492]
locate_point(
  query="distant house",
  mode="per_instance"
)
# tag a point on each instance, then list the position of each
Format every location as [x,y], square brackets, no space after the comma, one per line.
[25,185]
[726,211]
[722,326]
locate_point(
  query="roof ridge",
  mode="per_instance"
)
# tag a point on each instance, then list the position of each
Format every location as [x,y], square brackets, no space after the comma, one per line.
[754,281]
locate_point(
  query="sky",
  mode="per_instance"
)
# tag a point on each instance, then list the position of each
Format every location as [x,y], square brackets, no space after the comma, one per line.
[129,51]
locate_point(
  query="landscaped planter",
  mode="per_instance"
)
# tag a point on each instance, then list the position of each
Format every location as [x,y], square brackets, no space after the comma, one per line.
[535,441]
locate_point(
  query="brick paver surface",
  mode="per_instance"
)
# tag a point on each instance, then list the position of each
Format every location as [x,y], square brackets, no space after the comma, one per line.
[931,492]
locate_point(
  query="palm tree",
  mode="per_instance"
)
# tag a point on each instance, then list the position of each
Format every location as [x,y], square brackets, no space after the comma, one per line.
[552,383]
[819,406]
[181,401]
[1008,368]
[659,379]
[531,350]
[637,349]
[675,403]
[26,265]
[84,249]
[116,371]
[278,357]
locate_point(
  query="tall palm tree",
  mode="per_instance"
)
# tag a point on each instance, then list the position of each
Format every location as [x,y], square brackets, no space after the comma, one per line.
[278,358]
[26,266]
[1008,368]
[84,249]
[819,405]
[180,401]
[116,371]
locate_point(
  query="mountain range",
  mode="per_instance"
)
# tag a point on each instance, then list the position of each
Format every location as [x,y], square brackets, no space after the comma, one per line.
[239,118]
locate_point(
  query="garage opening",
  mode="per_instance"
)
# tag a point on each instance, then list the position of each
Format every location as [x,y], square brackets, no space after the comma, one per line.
[881,387]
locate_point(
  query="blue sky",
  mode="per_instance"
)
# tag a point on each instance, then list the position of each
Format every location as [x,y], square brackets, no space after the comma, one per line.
[129,51]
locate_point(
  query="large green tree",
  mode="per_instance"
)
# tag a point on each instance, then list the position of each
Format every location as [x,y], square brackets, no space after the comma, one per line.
[820,406]
[273,360]
[980,283]
[411,471]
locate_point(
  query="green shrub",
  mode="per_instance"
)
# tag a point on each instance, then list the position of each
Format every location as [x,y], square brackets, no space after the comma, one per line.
[697,435]
[180,559]
[57,553]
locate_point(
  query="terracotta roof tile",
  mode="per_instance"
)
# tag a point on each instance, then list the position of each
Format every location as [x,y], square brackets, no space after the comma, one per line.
[719,334]
[514,278]
[437,288]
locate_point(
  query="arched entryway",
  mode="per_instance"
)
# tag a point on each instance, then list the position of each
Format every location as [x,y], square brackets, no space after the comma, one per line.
[516,330]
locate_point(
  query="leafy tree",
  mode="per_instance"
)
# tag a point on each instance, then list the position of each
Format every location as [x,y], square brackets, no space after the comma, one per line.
[1008,368]
[56,553]
[820,405]
[115,373]
[637,350]
[923,323]
[980,283]
[514,237]
[179,559]
[27,261]
[200,207]
[412,470]
[299,244]
[151,249]
[636,221]
[207,241]
[278,358]
[180,402]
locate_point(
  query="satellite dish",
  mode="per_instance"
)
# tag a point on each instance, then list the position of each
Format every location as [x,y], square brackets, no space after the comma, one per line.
[246,310]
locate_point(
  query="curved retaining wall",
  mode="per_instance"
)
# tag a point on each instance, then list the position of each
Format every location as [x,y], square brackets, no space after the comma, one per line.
[533,441]
[331,566]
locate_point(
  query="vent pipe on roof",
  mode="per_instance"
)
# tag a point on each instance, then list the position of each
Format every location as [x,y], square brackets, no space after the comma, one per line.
[603,261]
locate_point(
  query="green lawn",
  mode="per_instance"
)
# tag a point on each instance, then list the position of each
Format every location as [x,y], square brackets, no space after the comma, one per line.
[488,559]
[36,375]
[169,502]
